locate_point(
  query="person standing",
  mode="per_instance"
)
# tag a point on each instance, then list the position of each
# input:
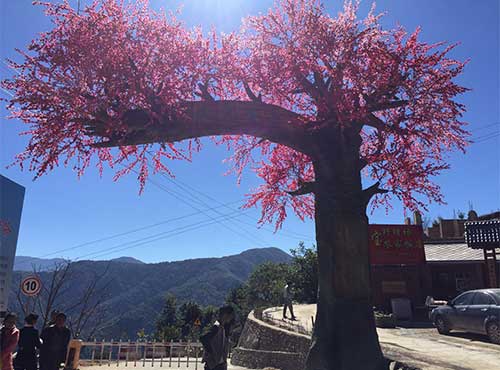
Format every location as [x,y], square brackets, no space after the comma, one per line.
[216,341]
[55,341]
[287,298]
[29,342]
[9,339]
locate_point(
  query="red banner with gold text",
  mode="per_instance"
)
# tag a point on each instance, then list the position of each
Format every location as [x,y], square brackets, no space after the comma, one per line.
[396,244]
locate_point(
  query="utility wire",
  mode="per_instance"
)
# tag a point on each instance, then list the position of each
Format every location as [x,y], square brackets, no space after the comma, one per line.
[114,236]
[158,236]
[195,207]
[486,138]
[190,189]
[485,126]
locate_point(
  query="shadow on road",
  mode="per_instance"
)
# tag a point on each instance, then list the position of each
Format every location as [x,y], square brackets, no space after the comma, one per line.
[414,325]
[471,337]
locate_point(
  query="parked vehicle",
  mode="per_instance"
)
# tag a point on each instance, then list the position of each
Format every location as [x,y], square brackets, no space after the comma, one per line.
[474,311]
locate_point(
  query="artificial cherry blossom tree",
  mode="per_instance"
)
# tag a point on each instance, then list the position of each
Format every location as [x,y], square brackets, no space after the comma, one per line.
[321,100]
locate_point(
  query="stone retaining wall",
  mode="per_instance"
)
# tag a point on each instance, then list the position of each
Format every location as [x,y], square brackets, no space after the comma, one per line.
[263,345]
[259,359]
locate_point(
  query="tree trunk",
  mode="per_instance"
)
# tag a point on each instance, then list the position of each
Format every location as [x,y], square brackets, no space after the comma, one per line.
[344,336]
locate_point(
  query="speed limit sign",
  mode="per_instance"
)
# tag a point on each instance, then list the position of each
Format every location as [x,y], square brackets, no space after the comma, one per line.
[31,286]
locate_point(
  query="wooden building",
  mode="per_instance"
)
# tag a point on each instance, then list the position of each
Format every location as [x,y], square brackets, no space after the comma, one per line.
[409,264]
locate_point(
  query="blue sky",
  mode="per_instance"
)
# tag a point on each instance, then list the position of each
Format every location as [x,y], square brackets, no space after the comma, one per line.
[65,216]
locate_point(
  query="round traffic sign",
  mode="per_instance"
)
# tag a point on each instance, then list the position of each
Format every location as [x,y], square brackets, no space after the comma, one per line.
[31,286]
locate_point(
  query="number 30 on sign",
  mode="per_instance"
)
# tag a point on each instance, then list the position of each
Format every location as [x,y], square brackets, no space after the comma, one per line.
[31,286]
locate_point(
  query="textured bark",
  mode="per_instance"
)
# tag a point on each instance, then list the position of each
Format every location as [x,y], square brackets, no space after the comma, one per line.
[345,336]
[211,118]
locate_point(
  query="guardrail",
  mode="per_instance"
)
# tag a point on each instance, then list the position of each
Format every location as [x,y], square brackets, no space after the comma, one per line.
[286,324]
[141,354]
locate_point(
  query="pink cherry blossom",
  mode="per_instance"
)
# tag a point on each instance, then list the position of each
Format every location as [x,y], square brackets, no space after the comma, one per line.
[115,57]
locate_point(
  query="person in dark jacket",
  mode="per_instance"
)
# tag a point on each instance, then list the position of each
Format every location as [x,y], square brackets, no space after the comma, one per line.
[55,344]
[287,298]
[216,341]
[29,342]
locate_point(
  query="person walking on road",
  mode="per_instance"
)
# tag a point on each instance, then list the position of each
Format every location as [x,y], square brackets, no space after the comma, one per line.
[216,341]
[9,338]
[55,340]
[287,299]
[29,342]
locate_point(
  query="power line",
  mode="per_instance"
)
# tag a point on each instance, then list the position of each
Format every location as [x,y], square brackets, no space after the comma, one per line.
[158,236]
[114,236]
[485,126]
[190,204]
[189,189]
[487,137]
[282,232]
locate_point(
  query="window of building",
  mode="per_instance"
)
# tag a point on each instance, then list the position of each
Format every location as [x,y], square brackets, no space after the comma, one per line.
[443,278]
[462,281]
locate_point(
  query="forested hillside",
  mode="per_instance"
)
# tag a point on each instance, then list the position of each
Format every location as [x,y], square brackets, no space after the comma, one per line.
[133,293]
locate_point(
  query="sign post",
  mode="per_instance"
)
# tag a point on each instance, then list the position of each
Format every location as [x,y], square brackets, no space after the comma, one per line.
[31,286]
[11,205]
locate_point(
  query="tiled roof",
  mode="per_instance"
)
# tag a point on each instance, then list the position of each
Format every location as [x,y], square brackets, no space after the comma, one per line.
[452,252]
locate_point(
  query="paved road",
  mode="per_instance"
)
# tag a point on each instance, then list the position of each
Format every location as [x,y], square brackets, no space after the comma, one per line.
[458,351]
[424,347]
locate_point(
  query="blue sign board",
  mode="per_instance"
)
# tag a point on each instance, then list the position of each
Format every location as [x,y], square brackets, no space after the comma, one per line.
[11,206]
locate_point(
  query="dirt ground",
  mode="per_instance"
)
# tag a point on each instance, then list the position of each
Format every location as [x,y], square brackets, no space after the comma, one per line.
[422,347]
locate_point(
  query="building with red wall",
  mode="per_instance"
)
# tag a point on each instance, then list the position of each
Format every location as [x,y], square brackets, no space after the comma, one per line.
[410,263]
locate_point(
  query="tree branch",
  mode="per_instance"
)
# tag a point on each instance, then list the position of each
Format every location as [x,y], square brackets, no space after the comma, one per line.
[210,118]
[388,105]
[369,192]
[204,93]
[375,122]
[303,189]
[251,95]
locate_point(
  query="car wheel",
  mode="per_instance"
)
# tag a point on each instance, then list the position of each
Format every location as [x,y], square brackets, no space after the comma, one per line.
[441,325]
[493,331]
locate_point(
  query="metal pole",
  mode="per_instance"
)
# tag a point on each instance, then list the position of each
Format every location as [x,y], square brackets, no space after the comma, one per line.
[110,352]
[178,354]
[102,352]
[127,353]
[153,355]
[93,351]
[170,360]
[136,353]
[119,353]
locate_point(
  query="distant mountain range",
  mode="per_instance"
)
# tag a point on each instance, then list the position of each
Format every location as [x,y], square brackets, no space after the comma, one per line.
[26,263]
[135,290]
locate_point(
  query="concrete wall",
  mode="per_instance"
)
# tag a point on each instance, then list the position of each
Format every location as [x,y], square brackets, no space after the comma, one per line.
[263,345]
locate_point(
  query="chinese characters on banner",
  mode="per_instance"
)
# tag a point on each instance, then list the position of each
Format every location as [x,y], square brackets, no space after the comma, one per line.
[396,244]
